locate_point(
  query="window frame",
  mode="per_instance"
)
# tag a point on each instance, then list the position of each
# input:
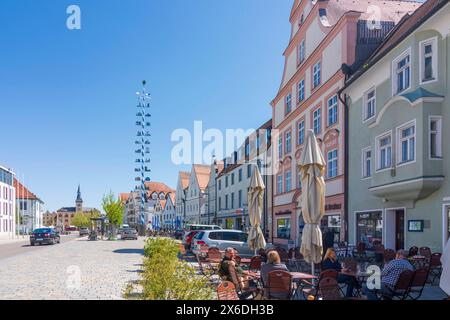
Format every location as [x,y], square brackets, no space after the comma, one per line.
[288,104]
[314,71]
[301,52]
[364,167]
[434,56]
[319,122]
[279,184]
[400,139]
[301,121]
[286,189]
[288,142]
[394,75]
[329,108]
[302,90]
[330,161]
[366,118]
[439,137]
[378,167]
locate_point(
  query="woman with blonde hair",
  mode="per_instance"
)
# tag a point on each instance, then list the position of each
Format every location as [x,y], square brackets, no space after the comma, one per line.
[330,262]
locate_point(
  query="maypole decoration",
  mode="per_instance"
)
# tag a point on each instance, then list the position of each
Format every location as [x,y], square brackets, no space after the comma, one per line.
[143,152]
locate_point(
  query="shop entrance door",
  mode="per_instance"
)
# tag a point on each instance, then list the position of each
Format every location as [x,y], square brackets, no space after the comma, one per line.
[399,229]
[395,229]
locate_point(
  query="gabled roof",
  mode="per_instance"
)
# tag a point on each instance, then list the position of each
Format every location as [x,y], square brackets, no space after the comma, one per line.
[184,177]
[202,173]
[124,197]
[23,193]
[405,27]
[158,187]
[172,195]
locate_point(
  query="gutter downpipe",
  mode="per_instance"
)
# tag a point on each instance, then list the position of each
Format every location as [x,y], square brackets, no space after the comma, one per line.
[346,152]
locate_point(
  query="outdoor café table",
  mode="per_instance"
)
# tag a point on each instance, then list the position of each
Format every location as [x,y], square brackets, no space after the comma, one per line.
[361,276]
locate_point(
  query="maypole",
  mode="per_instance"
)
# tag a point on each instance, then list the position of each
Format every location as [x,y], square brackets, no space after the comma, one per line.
[142,153]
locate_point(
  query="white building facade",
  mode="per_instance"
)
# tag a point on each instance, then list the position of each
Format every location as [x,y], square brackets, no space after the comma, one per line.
[30,208]
[7,204]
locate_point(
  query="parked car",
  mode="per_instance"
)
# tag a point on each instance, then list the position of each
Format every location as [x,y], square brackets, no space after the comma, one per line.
[197,227]
[44,236]
[188,240]
[223,239]
[70,228]
[129,234]
[84,232]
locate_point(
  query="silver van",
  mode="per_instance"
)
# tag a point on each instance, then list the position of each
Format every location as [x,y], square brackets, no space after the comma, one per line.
[222,239]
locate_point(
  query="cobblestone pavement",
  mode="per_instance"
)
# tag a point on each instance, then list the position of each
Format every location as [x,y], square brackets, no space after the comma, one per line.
[78,269]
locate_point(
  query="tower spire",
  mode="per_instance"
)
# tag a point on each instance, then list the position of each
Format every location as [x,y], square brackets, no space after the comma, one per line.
[79,194]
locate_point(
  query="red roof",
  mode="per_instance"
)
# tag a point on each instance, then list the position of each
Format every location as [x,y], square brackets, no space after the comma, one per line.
[23,193]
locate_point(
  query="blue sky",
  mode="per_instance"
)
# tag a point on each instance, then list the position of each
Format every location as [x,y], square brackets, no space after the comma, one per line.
[67,98]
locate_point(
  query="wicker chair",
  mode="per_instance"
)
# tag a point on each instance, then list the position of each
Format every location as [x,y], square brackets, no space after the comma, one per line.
[329,289]
[389,255]
[401,288]
[279,285]
[360,251]
[206,269]
[242,288]
[227,291]
[214,253]
[435,269]
[379,253]
[284,256]
[418,283]
[255,263]
[426,252]
[413,251]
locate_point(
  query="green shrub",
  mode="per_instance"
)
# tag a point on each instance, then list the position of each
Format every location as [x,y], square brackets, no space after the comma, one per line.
[166,278]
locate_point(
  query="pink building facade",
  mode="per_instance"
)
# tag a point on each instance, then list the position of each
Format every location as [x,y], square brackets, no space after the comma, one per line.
[324,36]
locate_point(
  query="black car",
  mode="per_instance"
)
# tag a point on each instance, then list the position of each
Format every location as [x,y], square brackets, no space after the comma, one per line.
[44,236]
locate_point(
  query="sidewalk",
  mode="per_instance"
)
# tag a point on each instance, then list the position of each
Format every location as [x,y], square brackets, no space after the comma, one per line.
[17,239]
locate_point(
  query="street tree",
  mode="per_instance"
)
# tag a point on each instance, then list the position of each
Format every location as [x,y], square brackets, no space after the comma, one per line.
[113,208]
[81,220]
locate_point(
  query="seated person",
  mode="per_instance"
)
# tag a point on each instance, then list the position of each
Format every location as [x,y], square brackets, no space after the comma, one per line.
[330,262]
[273,264]
[390,275]
[224,268]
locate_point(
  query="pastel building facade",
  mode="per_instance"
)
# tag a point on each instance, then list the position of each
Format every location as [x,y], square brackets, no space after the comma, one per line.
[181,194]
[324,35]
[233,181]
[7,204]
[195,197]
[30,208]
[399,116]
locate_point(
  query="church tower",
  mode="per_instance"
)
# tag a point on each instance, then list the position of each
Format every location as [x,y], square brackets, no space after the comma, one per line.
[79,201]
